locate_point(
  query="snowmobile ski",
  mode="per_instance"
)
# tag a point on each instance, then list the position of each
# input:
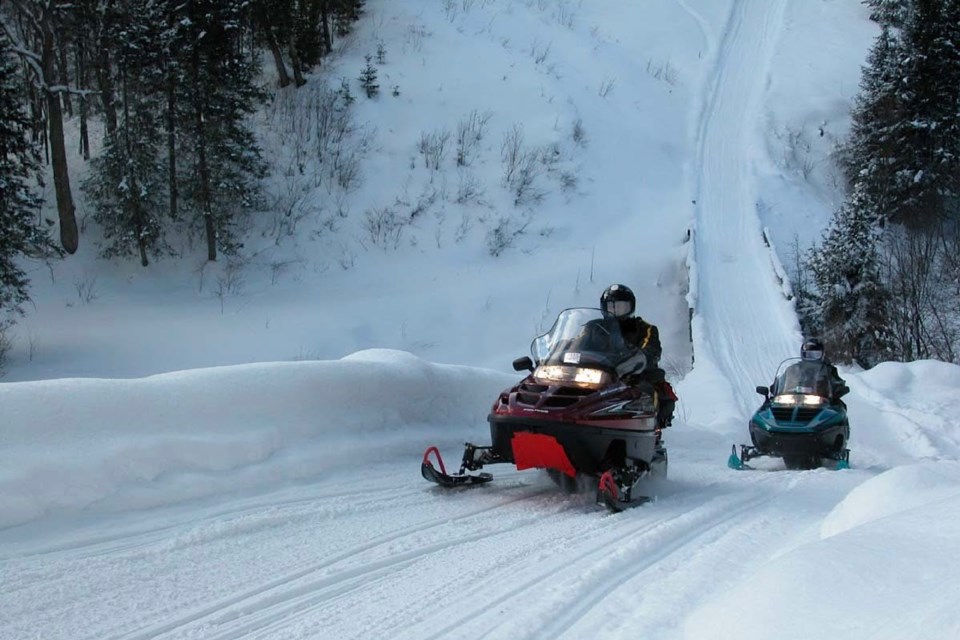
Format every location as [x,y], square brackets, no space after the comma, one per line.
[444,479]
[615,495]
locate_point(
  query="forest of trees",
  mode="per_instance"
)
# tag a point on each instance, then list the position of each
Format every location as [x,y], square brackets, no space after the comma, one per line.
[885,280]
[172,83]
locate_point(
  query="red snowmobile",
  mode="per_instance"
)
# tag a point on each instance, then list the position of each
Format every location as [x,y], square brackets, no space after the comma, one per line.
[574,414]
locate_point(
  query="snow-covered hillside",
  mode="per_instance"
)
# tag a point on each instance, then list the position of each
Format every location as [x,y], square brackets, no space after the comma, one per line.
[183,464]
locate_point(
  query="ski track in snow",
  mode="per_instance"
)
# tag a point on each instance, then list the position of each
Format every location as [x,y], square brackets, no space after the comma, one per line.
[738,303]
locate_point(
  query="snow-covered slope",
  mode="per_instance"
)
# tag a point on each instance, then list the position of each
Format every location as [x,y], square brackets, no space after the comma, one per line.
[282,499]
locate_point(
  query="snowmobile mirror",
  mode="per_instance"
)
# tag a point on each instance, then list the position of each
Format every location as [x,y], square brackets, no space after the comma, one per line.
[764,391]
[523,364]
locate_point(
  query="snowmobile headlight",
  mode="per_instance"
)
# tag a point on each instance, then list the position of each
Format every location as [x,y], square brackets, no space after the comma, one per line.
[807,400]
[575,375]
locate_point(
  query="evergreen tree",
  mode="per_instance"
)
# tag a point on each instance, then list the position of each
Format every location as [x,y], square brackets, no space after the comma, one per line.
[20,234]
[950,125]
[368,79]
[849,308]
[32,27]
[345,13]
[890,13]
[128,183]
[870,156]
[929,61]
[222,182]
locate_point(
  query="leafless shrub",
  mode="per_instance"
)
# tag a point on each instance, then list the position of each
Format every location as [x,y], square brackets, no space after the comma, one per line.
[568,180]
[663,71]
[470,132]
[578,133]
[466,224]
[230,282]
[426,200]
[522,167]
[346,169]
[606,86]
[539,52]
[797,152]
[384,227]
[503,235]
[924,297]
[468,188]
[564,15]
[287,204]
[433,147]
[347,258]
[415,36]
[278,268]
[86,288]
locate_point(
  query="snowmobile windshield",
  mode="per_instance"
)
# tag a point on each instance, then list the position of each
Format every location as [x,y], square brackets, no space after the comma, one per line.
[807,377]
[582,337]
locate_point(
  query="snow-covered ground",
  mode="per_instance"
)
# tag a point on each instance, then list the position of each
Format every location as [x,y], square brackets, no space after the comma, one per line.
[181,464]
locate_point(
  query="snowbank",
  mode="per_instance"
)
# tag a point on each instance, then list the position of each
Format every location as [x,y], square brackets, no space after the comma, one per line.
[886,578]
[78,443]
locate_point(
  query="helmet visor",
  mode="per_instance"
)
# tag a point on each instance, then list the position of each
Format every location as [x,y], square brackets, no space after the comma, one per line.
[813,354]
[618,308]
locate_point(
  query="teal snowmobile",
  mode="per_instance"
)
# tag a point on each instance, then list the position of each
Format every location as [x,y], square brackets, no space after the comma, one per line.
[801,420]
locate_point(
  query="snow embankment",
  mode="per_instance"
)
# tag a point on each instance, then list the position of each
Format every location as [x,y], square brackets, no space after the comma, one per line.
[882,550]
[73,444]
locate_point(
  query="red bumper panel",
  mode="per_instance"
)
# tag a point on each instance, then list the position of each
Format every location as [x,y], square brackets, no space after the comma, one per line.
[537,451]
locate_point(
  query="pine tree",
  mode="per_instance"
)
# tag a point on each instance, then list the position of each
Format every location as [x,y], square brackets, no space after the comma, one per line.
[36,42]
[128,182]
[20,233]
[928,104]
[949,127]
[345,13]
[368,79]
[890,13]
[221,156]
[870,157]
[850,302]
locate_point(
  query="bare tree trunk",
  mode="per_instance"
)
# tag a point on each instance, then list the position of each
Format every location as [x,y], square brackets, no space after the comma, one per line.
[81,79]
[104,81]
[282,75]
[172,124]
[69,235]
[64,75]
[204,172]
[43,65]
[325,27]
[295,61]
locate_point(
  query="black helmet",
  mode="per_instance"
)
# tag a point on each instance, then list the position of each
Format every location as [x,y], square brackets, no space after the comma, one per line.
[618,301]
[812,349]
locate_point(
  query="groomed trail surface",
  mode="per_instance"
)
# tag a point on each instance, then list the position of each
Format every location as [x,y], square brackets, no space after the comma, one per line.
[743,323]
[375,557]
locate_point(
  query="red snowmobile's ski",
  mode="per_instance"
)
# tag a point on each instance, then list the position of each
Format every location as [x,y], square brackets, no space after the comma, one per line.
[616,497]
[444,479]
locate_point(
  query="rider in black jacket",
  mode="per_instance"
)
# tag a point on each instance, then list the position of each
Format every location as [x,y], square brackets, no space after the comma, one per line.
[618,301]
[812,350]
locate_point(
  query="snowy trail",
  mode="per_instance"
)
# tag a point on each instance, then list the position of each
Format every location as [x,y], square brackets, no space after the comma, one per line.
[741,316]
[515,562]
